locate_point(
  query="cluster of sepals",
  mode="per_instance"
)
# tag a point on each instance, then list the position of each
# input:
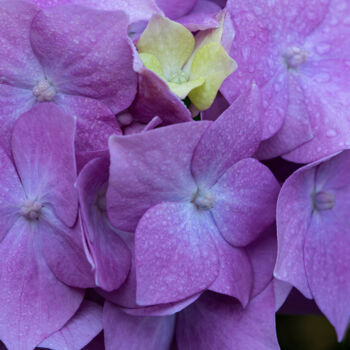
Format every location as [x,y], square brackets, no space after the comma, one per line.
[108,184]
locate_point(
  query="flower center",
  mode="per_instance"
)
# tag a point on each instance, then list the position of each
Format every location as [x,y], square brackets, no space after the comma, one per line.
[203,200]
[44,91]
[323,200]
[294,57]
[179,77]
[31,210]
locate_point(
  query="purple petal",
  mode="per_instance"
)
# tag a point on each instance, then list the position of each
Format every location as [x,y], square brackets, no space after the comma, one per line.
[64,252]
[86,52]
[176,8]
[245,201]
[215,323]
[296,129]
[235,275]
[110,255]
[201,17]
[18,65]
[327,244]
[150,168]
[95,123]
[11,194]
[235,135]
[125,332]
[175,254]
[262,253]
[43,149]
[79,330]
[154,98]
[34,304]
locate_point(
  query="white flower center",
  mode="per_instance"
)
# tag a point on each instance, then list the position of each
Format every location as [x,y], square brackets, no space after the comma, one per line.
[203,200]
[323,200]
[31,210]
[294,57]
[44,91]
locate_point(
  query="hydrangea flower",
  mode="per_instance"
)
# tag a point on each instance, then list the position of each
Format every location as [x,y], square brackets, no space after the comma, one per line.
[41,243]
[298,54]
[168,49]
[187,190]
[65,55]
[213,321]
[313,234]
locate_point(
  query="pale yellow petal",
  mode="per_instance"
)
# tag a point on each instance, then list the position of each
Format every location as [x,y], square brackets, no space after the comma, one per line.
[152,63]
[212,63]
[183,89]
[169,41]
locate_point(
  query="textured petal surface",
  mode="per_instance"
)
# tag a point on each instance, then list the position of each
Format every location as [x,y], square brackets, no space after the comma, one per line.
[216,323]
[125,332]
[154,98]
[64,253]
[150,168]
[13,102]
[43,149]
[212,63]
[71,41]
[327,244]
[110,255]
[175,8]
[34,304]
[236,134]
[12,194]
[201,17]
[262,253]
[79,330]
[235,275]
[95,123]
[169,41]
[175,253]
[245,201]
[293,217]
[18,65]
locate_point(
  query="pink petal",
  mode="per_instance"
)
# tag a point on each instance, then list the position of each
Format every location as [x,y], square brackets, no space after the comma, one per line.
[235,135]
[175,254]
[176,8]
[71,43]
[79,330]
[19,67]
[43,149]
[154,98]
[110,255]
[150,168]
[34,304]
[245,201]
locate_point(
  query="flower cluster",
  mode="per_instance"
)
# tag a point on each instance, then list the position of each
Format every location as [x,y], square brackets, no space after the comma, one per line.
[139,208]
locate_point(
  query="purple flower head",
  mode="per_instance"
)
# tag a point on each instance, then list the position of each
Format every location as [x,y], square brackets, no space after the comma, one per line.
[313,234]
[188,191]
[213,321]
[298,55]
[77,57]
[39,238]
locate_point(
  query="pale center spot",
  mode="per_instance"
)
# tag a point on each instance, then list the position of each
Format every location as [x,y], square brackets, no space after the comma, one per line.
[323,200]
[203,200]
[31,210]
[44,91]
[294,56]
[179,77]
